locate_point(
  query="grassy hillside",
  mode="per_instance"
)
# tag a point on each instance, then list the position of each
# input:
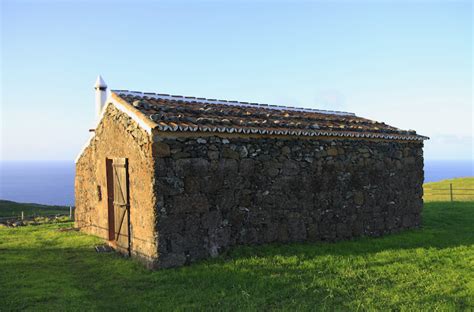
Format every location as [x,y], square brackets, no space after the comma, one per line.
[428,269]
[463,190]
[9,209]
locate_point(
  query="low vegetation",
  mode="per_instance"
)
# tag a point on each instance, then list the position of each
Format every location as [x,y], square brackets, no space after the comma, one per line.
[13,209]
[43,268]
[463,190]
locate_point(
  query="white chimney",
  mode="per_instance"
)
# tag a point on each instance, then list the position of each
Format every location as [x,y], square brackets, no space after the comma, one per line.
[100,95]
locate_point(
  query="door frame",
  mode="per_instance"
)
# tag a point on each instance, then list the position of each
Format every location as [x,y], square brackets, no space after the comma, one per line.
[110,199]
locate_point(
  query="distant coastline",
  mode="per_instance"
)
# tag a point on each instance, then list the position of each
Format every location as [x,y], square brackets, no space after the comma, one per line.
[41,182]
[52,182]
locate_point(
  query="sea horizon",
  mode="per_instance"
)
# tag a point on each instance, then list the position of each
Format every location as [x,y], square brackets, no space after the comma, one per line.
[51,182]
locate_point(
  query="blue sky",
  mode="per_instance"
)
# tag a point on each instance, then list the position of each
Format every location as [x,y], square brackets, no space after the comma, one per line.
[407,63]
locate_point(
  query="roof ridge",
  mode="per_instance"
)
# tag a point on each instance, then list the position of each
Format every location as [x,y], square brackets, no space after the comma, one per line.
[230,103]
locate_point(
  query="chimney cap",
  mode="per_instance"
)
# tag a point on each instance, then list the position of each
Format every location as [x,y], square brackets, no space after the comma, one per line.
[100,83]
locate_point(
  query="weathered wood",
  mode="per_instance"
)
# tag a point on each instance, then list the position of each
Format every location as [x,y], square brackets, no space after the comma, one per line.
[110,199]
[121,202]
[451,191]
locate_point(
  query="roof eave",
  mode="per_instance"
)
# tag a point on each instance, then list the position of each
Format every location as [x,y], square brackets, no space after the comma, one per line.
[290,132]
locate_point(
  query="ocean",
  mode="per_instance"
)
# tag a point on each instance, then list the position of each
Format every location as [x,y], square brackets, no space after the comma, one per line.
[52,183]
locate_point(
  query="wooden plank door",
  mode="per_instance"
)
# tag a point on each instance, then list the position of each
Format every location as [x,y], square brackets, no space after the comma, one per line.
[121,203]
[110,198]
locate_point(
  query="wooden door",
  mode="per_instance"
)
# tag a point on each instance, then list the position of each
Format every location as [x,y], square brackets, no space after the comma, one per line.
[121,206]
[110,198]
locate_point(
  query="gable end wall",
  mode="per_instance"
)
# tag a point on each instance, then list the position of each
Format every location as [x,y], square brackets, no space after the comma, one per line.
[117,135]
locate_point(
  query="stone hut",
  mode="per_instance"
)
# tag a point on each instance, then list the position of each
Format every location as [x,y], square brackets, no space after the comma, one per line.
[171,179]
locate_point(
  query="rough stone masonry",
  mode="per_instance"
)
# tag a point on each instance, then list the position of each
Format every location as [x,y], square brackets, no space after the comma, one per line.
[205,175]
[214,193]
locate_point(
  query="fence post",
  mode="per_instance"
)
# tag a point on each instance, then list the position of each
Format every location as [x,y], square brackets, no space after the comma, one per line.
[22,216]
[451,191]
[70,212]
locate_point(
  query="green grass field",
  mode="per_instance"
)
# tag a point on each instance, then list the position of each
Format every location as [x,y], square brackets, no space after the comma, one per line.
[430,269]
[12,209]
[463,190]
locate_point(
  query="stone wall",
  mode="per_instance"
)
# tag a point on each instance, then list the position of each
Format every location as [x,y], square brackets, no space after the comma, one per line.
[213,193]
[118,135]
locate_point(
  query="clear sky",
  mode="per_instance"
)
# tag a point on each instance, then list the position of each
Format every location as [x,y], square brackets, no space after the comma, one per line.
[407,63]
